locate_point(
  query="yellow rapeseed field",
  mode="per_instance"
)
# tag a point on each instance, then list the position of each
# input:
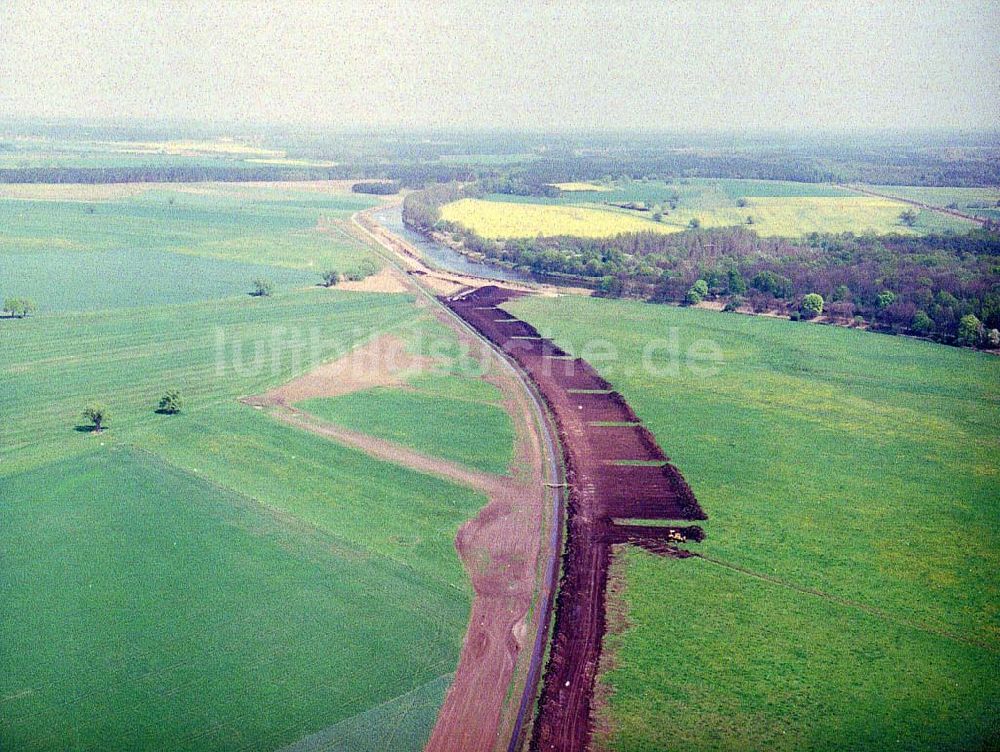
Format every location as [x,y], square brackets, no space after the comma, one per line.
[772,217]
[501,219]
[795,216]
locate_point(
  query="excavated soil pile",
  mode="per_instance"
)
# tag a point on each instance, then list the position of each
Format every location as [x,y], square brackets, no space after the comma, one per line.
[599,432]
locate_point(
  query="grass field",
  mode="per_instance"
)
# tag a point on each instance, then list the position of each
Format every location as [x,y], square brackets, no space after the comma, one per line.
[148,608]
[119,279]
[778,209]
[215,580]
[858,466]
[229,529]
[979,202]
[214,350]
[474,433]
[81,248]
[259,224]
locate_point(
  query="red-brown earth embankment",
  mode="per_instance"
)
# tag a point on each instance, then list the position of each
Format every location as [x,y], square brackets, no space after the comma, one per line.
[615,471]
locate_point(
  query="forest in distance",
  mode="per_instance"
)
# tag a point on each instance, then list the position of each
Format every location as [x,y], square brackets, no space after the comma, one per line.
[943,285]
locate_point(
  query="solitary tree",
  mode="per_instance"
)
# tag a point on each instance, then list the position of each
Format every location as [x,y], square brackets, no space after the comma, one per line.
[171,402]
[908,217]
[741,202]
[97,414]
[695,223]
[262,288]
[812,305]
[331,277]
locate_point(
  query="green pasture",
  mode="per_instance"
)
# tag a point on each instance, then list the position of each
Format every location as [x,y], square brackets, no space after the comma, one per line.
[113,279]
[151,607]
[714,659]
[261,225]
[217,579]
[55,364]
[236,583]
[473,433]
[979,202]
[859,466]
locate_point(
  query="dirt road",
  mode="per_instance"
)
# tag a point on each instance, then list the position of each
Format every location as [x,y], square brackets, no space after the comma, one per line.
[510,549]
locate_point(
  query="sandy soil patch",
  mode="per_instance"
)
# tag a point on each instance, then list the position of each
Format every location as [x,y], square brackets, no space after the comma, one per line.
[387,280]
[382,362]
[710,305]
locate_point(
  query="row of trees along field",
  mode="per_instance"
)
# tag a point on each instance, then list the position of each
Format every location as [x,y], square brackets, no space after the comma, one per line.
[18,308]
[924,286]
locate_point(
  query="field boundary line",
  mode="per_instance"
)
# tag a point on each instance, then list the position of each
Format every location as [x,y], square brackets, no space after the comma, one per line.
[872,610]
[913,202]
[284,515]
[319,739]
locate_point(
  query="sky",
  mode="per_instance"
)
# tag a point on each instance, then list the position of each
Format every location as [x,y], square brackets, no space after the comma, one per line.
[708,65]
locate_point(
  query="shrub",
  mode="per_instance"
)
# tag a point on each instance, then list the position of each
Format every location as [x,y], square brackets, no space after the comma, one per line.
[262,288]
[376,187]
[733,304]
[812,305]
[171,402]
[970,330]
[331,277]
[885,299]
[697,292]
[922,324]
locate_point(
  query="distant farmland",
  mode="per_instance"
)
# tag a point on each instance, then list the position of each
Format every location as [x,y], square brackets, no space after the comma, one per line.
[851,549]
[771,209]
[499,219]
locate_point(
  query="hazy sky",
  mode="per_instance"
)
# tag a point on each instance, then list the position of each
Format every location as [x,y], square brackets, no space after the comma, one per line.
[597,65]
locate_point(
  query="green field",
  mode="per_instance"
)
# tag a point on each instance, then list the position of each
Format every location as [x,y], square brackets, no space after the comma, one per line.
[858,467]
[147,607]
[144,246]
[979,202]
[119,279]
[216,580]
[278,532]
[473,433]
[777,209]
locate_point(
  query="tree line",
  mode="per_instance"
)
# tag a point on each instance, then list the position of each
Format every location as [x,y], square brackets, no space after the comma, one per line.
[924,286]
